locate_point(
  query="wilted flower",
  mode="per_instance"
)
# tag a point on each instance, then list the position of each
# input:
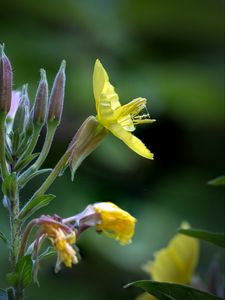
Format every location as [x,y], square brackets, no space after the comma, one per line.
[62,238]
[176,263]
[115,222]
[120,120]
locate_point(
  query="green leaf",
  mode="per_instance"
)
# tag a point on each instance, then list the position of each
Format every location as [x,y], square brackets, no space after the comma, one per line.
[35,204]
[172,291]
[22,276]
[3,237]
[9,186]
[212,237]
[218,181]
[34,174]
[24,162]
[3,295]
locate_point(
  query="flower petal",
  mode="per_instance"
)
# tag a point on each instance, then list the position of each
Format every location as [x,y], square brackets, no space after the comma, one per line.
[175,263]
[104,92]
[131,141]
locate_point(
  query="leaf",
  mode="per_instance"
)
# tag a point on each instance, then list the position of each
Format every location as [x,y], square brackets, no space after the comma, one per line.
[24,162]
[3,295]
[3,237]
[35,204]
[218,181]
[34,174]
[172,291]
[22,276]
[9,186]
[212,237]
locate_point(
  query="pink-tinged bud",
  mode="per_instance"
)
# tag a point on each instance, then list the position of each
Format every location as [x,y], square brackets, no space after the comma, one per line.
[57,95]
[5,81]
[40,105]
[14,104]
[22,113]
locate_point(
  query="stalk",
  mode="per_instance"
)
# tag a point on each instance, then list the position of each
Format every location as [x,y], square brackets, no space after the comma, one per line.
[15,227]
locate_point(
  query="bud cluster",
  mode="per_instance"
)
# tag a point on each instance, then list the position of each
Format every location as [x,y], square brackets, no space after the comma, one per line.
[24,122]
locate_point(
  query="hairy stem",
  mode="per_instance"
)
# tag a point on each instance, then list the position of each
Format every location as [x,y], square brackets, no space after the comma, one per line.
[15,240]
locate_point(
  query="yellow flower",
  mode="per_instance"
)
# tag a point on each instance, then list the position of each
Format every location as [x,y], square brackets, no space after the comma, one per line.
[145,296]
[61,242]
[120,120]
[175,263]
[115,222]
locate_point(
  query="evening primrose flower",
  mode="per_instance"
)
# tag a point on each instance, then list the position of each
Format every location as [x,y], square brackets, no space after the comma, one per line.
[62,238]
[120,120]
[62,244]
[176,263]
[115,222]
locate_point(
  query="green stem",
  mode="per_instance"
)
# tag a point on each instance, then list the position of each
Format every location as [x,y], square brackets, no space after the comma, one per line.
[15,240]
[45,150]
[15,230]
[55,172]
[3,164]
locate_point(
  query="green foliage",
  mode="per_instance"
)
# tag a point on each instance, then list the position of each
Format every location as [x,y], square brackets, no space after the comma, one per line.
[212,237]
[24,162]
[171,291]
[35,204]
[22,276]
[9,186]
[218,181]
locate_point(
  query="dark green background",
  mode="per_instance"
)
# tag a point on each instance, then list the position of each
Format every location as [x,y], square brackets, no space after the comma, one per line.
[170,52]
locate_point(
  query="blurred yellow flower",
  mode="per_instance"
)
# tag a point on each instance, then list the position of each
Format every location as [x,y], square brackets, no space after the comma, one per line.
[115,222]
[61,242]
[175,263]
[120,120]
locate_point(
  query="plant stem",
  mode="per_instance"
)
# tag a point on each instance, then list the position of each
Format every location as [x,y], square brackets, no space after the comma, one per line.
[15,230]
[3,164]
[55,172]
[45,150]
[15,240]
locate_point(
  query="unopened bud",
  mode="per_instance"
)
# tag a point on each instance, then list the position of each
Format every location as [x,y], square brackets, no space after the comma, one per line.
[40,105]
[5,82]
[57,95]
[22,114]
[86,140]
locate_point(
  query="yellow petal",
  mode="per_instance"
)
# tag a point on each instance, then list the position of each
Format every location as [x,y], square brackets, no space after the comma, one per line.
[131,141]
[115,222]
[146,296]
[104,93]
[175,263]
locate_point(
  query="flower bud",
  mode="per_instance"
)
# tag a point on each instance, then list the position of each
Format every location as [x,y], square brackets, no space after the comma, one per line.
[86,140]
[15,101]
[5,82]
[57,95]
[22,114]
[40,105]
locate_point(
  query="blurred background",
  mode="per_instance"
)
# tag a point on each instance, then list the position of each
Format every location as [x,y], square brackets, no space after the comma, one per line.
[170,52]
